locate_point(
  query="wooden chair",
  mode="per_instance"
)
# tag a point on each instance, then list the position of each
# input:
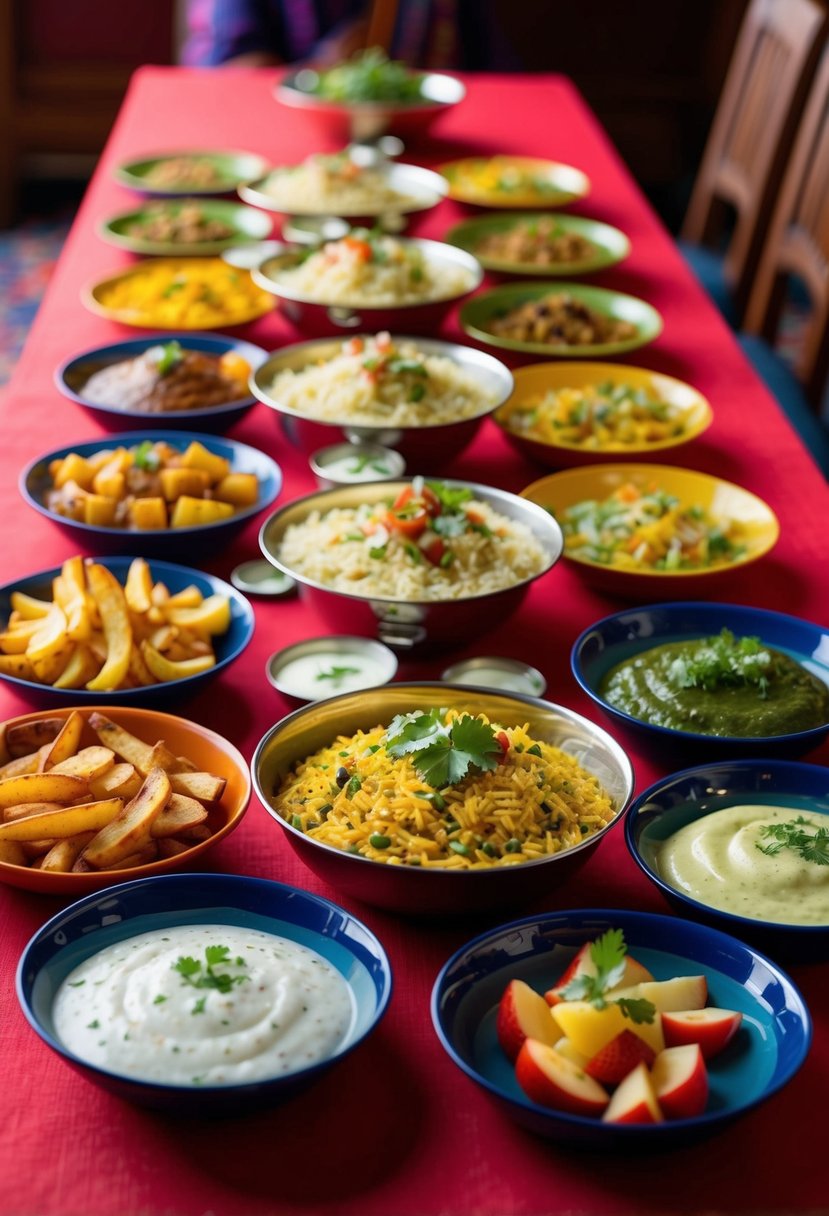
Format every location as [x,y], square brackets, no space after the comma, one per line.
[797,245]
[762,99]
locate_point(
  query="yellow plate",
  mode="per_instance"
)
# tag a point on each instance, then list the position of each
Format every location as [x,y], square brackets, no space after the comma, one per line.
[514,181]
[721,500]
[537,379]
[179,293]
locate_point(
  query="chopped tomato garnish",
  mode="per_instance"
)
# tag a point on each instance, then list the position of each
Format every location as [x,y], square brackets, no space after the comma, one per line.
[405,495]
[502,739]
[435,550]
[433,503]
[354,346]
[409,522]
[383,341]
[361,249]
[475,517]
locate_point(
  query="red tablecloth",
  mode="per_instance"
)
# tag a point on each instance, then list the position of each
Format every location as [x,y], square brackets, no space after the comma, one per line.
[396,1128]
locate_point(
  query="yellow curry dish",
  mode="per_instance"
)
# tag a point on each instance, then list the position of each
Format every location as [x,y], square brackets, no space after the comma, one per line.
[180,293]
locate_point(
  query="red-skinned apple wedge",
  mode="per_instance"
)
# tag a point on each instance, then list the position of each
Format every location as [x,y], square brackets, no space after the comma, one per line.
[634,1101]
[680,1081]
[619,1057]
[712,1028]
[551,1080]
[582,964]
[523,1014]
[681,992]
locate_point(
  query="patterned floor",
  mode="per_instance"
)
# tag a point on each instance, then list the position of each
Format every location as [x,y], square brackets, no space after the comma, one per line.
[28,253]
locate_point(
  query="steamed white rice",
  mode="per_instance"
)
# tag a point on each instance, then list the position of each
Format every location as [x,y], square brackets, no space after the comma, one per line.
[342,389]
[328,549]
[396,273]
[334,185]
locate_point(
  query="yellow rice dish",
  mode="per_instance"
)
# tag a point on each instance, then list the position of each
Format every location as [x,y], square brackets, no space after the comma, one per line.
[519,799]
[181,293]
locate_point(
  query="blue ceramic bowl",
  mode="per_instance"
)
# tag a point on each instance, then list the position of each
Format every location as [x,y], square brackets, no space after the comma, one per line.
[772,1043]
[624,635]
[689,796]
[132,908]
[73,374]
[227,646]
[35,482]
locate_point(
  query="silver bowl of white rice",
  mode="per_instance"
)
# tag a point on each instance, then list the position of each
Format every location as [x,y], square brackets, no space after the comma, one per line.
[416,591]
[425,398]
[367,280]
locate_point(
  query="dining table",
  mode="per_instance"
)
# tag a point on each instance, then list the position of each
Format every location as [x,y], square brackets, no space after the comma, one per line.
[396,1128]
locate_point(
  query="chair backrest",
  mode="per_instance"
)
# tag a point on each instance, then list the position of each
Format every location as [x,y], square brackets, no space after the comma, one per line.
[762,98]
[798,243]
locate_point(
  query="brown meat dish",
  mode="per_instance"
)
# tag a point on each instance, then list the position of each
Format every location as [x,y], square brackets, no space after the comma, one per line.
[181,223]
[560,320]
[194,381]
[196,172]
[536,243]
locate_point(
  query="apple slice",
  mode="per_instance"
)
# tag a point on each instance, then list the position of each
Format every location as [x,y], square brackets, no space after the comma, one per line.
[619,1057]
[551,1080]
[582,964]
[681,992]
[565,1048]
[712,1028]
[523,1014]
[680,1081]
[634,1101]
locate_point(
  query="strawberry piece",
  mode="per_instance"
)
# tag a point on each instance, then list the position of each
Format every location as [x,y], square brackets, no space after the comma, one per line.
[619,1057]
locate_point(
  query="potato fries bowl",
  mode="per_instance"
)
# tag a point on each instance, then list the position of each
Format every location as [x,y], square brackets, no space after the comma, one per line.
[143,831]
[107,640]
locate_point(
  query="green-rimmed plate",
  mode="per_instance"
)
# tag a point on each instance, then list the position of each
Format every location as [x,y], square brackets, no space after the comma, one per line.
[608,244]
[213,172]
[514,181]
[131,230]
[479,313]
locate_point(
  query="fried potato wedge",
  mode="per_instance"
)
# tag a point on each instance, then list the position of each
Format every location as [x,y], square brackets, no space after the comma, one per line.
[130,748]
[32,763]
[13,853]
[165,669]
[120,781]
[63,855]
[82,667]
[179,815]
[29,808]
[204,786]
[212,615]
[66,742]
[89,763]
[112,605]
[22,738]
[138,587]
[17,665]
[41,787]
[130,830]
[68,821]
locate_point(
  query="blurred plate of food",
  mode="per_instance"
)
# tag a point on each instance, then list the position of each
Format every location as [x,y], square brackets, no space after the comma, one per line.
[190,172]
[514,181]
[562,414]
[178,293]
[540,243]
[185,226]
[560,319]
[153,493]
[194,378]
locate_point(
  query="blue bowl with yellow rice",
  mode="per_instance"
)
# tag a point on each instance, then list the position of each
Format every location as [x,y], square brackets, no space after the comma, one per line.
[400,821]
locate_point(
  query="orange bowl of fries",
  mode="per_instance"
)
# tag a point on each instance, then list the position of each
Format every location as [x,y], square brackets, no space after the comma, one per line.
[119,630]
[88,799]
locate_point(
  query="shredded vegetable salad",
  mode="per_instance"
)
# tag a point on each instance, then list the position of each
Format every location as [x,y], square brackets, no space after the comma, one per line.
[649,529]
[600,417]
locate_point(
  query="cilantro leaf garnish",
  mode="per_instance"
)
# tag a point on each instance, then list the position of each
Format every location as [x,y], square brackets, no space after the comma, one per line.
[443,754]
[607,954]
[450,497]
[810,845]
[146,457]
[725,661]
[191,972]
[336,674]
[171,354]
